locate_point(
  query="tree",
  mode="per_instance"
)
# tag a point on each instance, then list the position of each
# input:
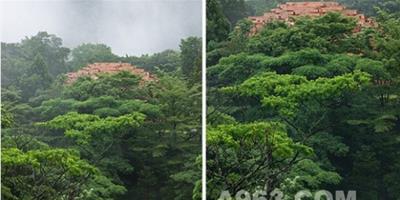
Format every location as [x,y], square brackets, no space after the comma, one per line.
[165,61]
[90,53]
[177,144]
[191,58]
[328,33]
[32,170]
[36,78]
[235,10]
[218,26]
[49,46]
[255,156]
[239,37]
[6,118]
[120,85]
[34,58]
[335,91]
[108,137]
[167,139]
[43,174]
[99,140]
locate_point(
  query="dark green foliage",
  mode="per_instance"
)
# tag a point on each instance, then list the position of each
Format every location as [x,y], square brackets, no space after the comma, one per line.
[259,7]
[110,137]
[166,61]
[31,65]
[7,119]
[334,90]
[17,58]
[36,78]
[328,34]
[369,7]
[218,26]
[237,156]
[237,68]
[341,64]
[90,53]
[191,58]
[375,68]
[235,10]
[122,85]
[43,174]
[311,71]
[53,107]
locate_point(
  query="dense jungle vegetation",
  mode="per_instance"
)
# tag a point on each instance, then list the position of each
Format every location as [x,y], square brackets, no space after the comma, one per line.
[108,138]
[310,106]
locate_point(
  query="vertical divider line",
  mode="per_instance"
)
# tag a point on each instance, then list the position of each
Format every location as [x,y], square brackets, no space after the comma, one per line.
[204,106]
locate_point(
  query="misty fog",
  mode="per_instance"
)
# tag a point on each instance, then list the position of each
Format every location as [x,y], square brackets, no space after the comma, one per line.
[132,27]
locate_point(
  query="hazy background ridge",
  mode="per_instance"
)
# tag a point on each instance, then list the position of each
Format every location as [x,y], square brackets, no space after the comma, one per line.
[128,27]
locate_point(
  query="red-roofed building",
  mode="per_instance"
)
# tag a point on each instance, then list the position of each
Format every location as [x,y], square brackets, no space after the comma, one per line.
[285,12]
[93,70]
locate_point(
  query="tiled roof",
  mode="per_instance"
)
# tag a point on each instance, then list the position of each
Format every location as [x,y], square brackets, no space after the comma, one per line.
[285,12]
[93,70]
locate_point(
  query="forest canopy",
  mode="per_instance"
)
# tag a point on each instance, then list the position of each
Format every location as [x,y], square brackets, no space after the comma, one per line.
[312,105]
[109,137]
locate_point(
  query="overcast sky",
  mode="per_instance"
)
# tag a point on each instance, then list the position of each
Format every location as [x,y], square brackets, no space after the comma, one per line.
[132,27]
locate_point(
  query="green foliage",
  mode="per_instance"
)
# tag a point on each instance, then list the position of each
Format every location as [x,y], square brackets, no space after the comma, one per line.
[286,91]
[307,175]
[218,26]
[291,60]
[16,58]
[334,90]
[328,33]
[191,58]
[90,53]
[311,72]
[31,65]
[342,64]
[108,141]
[370,7]
[235,68]
[170,142]
[259,7]
[84,128]
[121,85]
[189,177]
[7,119]
[175,97]
[375,68]
[129,106]
[238,155]
[235,10]
[109,137]
[166,61]
[22,113]
[54,107]
[44,174]
[10,94]
[101,188]
[36,78]
[239,37]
